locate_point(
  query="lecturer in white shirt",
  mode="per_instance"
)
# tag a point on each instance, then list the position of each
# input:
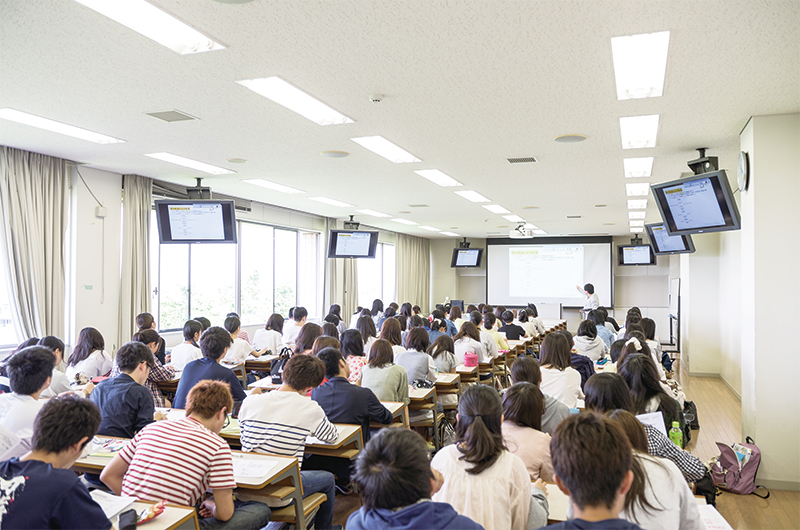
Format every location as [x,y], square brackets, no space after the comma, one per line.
[592,300]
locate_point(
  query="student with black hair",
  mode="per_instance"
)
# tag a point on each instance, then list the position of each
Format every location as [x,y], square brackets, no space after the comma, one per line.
[525,369]
[158,372]
[88,357]
[240,349]
[147,321]
[614,353]
[204,321]
[482,479]
[242,333]
[640,373]
[512,331]
[610,322]
[438,329]
[29,373]
[369,334]
[214,343]
[559,379]
[352,348]
[291,330]
[489,329]
[58,379]
[397,482]
[336,310]
[188,350]
[39,489]
[527,323]
[376,312]
[588,344]
[581,363]
[599,320]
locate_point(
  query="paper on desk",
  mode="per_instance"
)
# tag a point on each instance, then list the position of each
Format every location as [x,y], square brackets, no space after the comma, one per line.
[8,441]
[712,518]
[654,419]
[311,440]
[244,467]
[111,504]
[172,414]
[265,383]
[107,447]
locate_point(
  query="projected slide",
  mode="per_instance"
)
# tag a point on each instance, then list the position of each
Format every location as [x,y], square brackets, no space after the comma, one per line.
[545,272]
[354,244]
[666,242]
[639,255]
[694,204]
[196,222]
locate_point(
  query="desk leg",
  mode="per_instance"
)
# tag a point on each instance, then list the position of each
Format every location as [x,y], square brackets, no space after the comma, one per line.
[406,420]
[299,516]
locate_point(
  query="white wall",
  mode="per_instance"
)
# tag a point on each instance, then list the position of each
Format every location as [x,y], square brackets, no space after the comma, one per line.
[468,284]
[730,310]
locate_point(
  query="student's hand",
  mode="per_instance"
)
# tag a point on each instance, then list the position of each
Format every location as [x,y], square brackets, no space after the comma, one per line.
[159,415]
[541,485]
[208,508]
[257,390]
[437,481]
[168,357]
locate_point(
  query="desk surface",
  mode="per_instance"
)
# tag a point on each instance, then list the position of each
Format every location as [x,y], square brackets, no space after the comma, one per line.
[461,369]
[394,407]
[347,434]
[558,503]
[281,464]
[421,394]
[447,379]
[173,517]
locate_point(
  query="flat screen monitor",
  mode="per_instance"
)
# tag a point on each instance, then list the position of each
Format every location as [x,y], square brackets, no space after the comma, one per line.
[352,244]
[697,204]
[466,257]
[195,221]
[663,243]
[635,255]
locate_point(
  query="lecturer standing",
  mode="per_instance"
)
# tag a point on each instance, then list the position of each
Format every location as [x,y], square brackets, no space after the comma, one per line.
[592,302]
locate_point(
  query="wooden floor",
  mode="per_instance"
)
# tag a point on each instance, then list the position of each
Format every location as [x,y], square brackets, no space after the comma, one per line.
[720,415]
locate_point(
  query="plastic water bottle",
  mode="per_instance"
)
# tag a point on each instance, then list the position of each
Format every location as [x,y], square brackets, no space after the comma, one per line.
[676,435]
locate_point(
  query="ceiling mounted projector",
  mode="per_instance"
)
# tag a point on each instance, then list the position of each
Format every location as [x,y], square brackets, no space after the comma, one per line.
[521,232]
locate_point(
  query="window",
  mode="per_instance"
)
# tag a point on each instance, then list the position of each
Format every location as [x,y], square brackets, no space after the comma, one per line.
[376,277]
[270,270]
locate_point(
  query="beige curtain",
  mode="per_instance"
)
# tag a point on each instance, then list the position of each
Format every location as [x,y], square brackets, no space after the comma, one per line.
[134,282]
[341,279]
[413,263]
[34,191]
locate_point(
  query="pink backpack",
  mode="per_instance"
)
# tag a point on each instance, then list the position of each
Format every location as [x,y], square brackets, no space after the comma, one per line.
[735,468]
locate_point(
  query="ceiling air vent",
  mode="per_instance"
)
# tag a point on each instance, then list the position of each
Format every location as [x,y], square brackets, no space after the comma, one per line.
[574,217]
[522,160]
[419,206]
[171,115]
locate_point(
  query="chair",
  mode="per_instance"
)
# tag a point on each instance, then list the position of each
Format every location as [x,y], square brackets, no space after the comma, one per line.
[310,506]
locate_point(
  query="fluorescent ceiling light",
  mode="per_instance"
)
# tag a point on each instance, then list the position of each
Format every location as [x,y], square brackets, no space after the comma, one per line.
[472,195]
[640,64]
[637,189]
[514,218]
[274,186]
[637,215]
[451,234]
[430,228]
[332,202]
[540,232]
[57,127]
[404,221]
[155,24]
[495,208]
[636,223]
[296,100]
[531,226]
[637,204]
[383,147]
[373,213]
[636,230]
[639,131]
[638,167]
[437,177]
[188,162]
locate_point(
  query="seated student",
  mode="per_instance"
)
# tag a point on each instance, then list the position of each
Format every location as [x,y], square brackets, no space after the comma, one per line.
[468,340]
[587,342]
[396,482]
[443,357]
[649,330]
[605,334]
[146,321]
[387,314]
[39,489]
[525,369]
[377,312]
[482,480]
[634,316]
[559,379]
[125,403]
[58,379]
[304,341]
[88,356]
[526,322]
[388,381]
[158,372]
[614,353]
[330,330]
[352,348]
[456,317]
[242,333]
[490,328]
[512,331]
[278,423]
[391,332]
[581,363]
[610,323]
[533,316]
[29,371]
[659,499]
[607,392]
[214,343]
[438,329]
[640,373]
[204,321]
[179,460]
[403,321]
[292,329]
[451,327]
[416,361]
[523,405]
[336,310]
[188,350]
[344,402]
[592,461]
[240,349]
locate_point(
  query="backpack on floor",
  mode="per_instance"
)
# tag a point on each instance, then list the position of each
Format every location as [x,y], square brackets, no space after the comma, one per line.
[735,468]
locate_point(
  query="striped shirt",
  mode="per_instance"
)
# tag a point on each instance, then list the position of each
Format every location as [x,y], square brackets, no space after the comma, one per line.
[178,461]
[279,422]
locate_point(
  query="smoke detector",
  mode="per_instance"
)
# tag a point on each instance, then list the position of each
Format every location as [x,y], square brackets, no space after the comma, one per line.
[520,232]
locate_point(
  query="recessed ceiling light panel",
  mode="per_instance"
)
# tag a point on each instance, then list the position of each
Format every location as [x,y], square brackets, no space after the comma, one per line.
[373,213]
[636,223]
[274,186]
[637,189]
[404,221]
[637,204]
[332,202]
[450,234]
[438,177]
[639,131]
[637,230]
[638,167]
[636,214]
[640,64]
[188,162]
[495,208]
[383,147]
[57,127]
[472,196]
[514,218]
[294,99]
[430,229]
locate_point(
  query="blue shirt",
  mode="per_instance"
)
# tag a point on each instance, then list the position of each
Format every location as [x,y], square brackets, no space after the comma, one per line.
[434,334]
[125,406]
[605,334]
[37,495]
[451,327]
[206,368]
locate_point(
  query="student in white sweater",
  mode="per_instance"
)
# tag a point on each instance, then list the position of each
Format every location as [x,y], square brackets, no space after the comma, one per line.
[482,479]
[58,380]
[188,350]
[240,349]
[468,340]
[270,337]
[559,379]
[88,357]
[588,344]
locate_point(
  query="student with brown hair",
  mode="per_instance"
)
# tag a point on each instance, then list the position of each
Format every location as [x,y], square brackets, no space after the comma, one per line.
[388,381]
[352,348]
[525,369]
[366,326]
[523,406]
[270,337]
[416,361]
[323,341]
[468,340]
[559,379]
[88,357]
[482,479]
[391,331]
[592,461]
[304,340]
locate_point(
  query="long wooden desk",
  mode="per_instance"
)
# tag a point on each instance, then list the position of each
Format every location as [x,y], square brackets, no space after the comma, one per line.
[259,364]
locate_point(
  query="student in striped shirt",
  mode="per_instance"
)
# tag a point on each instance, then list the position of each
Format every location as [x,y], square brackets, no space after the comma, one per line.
[278,423]
[179,460]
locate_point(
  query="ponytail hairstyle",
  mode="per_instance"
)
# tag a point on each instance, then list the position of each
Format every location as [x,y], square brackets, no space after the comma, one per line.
[190,329]
[523,315]
[488,320]
[649,328]
[476,318]
[635,343]
[437,324]
[479,434]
